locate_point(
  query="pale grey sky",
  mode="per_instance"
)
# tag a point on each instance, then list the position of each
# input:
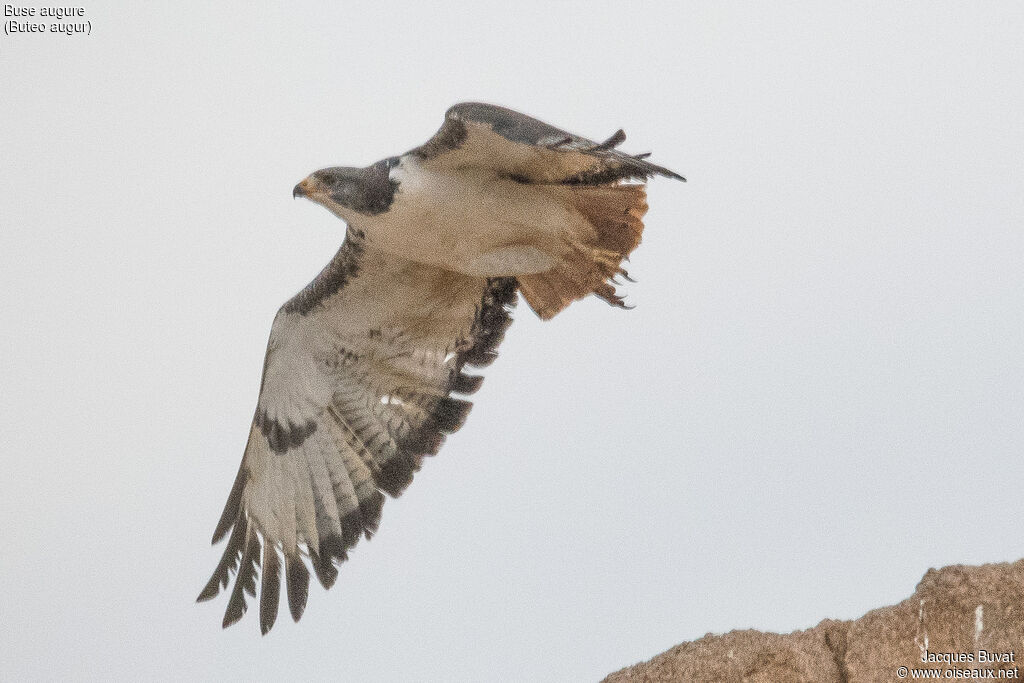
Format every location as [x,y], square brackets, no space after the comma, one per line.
[818,396]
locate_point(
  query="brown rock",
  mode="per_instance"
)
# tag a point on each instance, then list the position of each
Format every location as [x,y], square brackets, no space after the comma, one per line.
[959,610]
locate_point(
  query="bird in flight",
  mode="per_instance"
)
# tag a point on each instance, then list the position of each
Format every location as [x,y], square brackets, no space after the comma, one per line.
[365,368]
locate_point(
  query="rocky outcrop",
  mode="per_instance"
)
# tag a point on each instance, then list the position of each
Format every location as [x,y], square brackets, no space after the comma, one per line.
[971,614]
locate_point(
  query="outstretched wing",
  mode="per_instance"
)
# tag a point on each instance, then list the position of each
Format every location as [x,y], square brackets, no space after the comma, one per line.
[357,387]
[521,147]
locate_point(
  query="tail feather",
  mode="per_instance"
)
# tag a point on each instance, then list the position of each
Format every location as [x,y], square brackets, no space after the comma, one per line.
[613,228]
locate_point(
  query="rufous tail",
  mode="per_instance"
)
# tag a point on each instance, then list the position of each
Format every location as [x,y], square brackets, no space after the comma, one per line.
[614,215]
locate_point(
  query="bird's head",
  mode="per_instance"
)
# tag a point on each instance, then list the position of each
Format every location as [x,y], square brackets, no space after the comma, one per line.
[350,192]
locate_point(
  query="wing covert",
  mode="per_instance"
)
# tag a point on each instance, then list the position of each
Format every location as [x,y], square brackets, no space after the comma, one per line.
[486,136]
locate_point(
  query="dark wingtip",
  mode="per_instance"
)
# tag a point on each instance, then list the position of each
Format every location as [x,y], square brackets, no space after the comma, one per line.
[231,618]
[230,514]
[450,414]
[297,579]
[326,572]
[466,384]
[209,591]
[271,589]
[221,577]
[245,580]
[267,622]
[396,474]
[236,608]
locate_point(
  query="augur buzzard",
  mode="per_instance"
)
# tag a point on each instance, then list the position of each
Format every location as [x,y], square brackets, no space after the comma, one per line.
[363,365]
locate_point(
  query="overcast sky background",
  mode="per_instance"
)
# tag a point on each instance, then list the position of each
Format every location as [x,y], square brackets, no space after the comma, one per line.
[819,395]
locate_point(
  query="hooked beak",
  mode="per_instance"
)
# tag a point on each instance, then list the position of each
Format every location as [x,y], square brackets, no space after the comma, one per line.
[303,189]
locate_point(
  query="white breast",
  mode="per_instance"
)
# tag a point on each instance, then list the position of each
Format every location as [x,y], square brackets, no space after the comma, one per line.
[471,222]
